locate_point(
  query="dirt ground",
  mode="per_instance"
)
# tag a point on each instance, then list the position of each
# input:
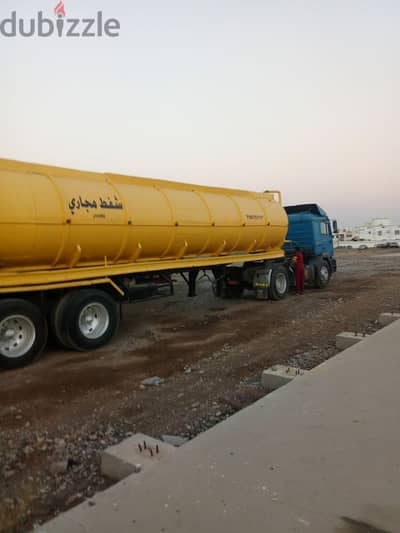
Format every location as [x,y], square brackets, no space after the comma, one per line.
[58,414]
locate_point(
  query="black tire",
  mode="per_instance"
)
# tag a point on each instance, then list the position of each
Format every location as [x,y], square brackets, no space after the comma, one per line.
[279,284]
[101,323]
[29,326]
[322,275]
[56,322]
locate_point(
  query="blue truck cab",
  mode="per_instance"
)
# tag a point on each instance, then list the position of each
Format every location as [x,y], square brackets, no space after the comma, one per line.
[310,230]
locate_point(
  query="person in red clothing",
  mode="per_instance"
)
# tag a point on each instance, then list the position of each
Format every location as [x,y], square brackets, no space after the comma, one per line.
[299,258]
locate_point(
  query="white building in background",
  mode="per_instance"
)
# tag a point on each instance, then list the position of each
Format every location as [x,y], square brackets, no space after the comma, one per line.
[378,231]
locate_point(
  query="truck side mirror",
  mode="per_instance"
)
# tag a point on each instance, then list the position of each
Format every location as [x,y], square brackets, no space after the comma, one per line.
[335,226]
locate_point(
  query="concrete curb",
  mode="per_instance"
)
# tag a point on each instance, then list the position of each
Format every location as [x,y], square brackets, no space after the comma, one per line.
[134,455]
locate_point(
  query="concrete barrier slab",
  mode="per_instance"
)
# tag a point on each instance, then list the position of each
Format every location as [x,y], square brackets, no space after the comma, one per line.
[134,455]
[279,375]
[346,339]
[387,318]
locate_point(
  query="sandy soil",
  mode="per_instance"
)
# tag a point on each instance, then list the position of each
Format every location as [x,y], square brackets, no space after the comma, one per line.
[58,414]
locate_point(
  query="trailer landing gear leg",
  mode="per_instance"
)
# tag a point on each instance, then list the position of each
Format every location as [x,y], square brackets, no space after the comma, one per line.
[192,283]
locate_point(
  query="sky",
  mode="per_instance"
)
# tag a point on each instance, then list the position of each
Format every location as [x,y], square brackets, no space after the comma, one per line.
[300,96]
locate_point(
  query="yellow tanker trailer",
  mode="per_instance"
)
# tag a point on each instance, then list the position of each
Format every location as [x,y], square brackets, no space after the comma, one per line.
[74,245]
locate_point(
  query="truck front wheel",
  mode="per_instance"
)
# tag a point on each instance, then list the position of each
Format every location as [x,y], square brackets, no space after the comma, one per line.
[23,333]
[86,319]
[323,275]
[279,283]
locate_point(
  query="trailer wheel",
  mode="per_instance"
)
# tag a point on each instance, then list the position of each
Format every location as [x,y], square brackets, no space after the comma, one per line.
[323,275]
[279,284]
[88,319]
[57,322]
[23,333]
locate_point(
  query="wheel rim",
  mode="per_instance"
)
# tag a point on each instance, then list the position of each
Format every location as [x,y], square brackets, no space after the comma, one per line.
[17,336]
[93,320]
[324,273]
[281,283]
